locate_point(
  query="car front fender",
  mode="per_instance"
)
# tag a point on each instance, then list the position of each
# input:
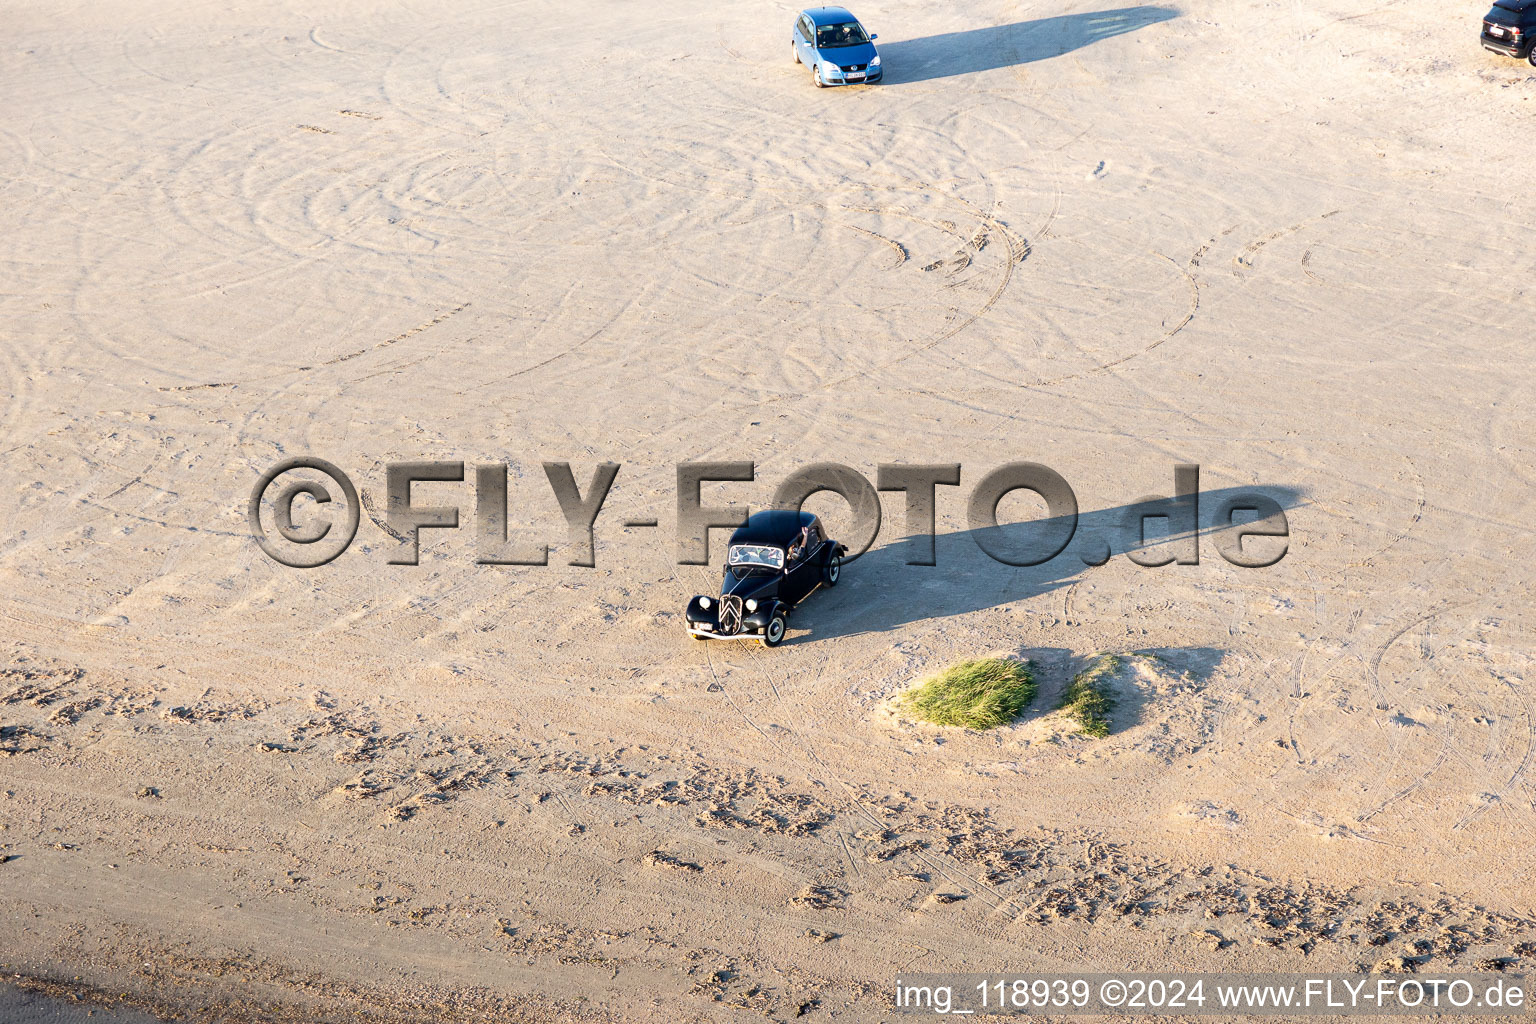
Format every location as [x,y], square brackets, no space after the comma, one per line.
[705,617]
[765,611]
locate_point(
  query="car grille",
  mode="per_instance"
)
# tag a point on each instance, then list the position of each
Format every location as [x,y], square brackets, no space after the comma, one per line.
[854,67]
[730,615]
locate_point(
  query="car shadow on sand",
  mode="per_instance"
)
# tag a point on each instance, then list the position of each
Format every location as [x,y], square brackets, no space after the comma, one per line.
[880,592]
[1002,46]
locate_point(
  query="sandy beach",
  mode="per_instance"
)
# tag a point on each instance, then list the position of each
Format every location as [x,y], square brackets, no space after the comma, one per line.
[1283,242]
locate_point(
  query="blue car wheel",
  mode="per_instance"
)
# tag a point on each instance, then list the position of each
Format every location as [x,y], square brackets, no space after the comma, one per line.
[816,74]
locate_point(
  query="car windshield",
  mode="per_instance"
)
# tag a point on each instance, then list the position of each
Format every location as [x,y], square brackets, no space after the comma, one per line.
[756,556]
[1501,16]
[830,36]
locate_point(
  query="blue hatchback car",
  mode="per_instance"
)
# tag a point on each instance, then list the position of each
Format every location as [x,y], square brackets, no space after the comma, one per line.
[831,42]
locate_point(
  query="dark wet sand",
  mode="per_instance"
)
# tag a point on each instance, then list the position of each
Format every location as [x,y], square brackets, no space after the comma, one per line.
[21,1007]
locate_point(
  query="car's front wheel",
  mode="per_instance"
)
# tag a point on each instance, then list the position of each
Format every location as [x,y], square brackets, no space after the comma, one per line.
[816,76]
[832,570]
[773,633]
[796,48]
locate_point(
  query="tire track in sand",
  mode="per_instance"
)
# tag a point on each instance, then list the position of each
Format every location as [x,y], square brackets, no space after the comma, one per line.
[346,357]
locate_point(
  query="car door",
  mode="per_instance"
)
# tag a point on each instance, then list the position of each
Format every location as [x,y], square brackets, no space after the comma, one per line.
[802,575]
[804,33]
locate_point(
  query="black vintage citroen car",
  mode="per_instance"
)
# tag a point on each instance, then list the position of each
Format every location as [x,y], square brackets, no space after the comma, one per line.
[775,561]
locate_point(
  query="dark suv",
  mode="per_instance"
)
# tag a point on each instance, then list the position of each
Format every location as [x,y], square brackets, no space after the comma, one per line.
[1510,29]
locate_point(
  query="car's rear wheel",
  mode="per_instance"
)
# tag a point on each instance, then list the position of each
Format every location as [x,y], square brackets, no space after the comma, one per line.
[1532,56]
[796,48]
[832,570]
[816,75]
[773,633]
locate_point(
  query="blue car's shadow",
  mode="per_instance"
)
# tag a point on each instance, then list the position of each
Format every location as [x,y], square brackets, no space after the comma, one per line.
[1002,46]
[880,592]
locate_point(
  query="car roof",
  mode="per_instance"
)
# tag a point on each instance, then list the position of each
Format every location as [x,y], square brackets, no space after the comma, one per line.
[839,15]
[775,526]
[1515,5]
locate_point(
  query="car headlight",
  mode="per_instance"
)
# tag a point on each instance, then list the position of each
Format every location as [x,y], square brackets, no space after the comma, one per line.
[752,604]
[704,603]
[876,62]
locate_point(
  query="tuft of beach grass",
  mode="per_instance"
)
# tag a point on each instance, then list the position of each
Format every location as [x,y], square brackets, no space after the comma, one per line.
[981,693]
[1088,699]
